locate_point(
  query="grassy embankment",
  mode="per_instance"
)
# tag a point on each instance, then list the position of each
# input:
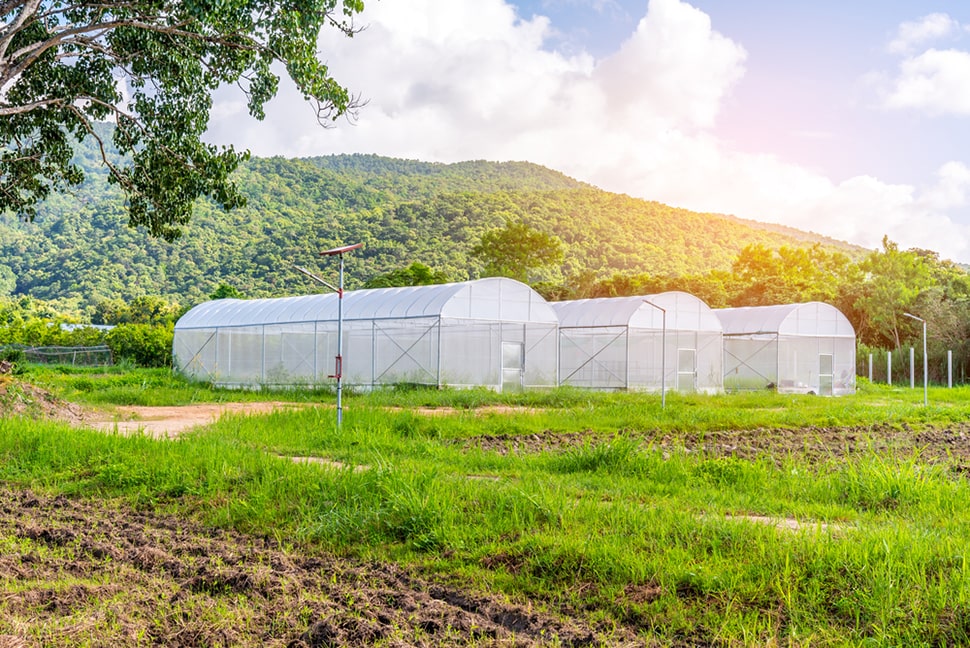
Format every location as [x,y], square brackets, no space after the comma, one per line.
[633,520]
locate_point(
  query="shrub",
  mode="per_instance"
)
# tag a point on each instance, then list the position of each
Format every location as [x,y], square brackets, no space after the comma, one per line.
[146,345]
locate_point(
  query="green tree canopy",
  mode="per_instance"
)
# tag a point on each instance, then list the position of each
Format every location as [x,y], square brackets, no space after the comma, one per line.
[515,249]
[150,66]
[416,274]
[225,291]
[893,280]
[789,275]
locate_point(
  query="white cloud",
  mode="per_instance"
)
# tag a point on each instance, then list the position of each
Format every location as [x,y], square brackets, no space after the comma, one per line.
[952,189]
[931,27]
[936,81]
[469,79]
[674,67]
[861,209]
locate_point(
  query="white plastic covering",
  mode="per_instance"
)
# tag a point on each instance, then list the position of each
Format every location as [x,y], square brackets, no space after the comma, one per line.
[617,343]
[795,348]
[492,332]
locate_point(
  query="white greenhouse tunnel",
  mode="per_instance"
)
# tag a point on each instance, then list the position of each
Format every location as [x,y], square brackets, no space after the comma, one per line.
[794,348]
[496,333]
[500,334]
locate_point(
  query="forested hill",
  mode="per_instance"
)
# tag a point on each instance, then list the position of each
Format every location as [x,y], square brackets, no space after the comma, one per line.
[80,249]
[413,179]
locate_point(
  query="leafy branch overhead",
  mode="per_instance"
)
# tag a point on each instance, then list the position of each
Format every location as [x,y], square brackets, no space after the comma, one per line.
[150,66]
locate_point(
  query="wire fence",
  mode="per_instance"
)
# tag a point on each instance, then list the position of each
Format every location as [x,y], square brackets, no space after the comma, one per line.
[88,356]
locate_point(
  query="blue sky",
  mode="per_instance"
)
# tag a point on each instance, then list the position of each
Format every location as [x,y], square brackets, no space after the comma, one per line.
[850,119]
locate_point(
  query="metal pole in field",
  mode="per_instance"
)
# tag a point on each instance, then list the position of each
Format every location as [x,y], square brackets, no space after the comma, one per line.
[339,360]
[949,369]
[663,353]
[870,367]
[912,368]
[926,369]
[925,361]
[889,368]
[339,289]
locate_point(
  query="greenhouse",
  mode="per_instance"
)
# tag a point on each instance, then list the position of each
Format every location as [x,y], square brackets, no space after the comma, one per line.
[667,341]
[496,333]
[795,348]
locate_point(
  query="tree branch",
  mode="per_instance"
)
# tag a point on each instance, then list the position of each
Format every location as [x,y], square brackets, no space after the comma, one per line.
[28,9]
[7,111]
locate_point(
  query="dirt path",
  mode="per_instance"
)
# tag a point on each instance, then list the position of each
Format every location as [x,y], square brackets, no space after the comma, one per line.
[165,422]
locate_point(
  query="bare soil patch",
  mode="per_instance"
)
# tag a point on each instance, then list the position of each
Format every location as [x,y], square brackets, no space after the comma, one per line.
[949,443]
[78,572]
[21,399]
[171,421]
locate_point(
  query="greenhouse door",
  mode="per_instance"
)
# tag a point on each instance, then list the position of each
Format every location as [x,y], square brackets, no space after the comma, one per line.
[686,370]
[513,366]
[825,365]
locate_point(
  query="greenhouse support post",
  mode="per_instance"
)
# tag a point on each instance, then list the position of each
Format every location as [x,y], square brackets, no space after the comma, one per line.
[663,353]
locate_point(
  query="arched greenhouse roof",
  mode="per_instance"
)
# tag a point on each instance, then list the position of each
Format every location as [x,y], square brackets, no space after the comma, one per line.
[683,312]
[497,298]
[812,318]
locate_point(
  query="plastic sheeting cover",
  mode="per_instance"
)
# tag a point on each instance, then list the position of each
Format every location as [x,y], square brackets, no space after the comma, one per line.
[497,299]
[812,318]
[683,311]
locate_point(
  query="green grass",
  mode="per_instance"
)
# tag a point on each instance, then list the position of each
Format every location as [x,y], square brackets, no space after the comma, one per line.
[120,385]
[616,527]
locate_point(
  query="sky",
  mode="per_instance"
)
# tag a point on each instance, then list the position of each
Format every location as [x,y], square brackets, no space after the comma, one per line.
[848,119]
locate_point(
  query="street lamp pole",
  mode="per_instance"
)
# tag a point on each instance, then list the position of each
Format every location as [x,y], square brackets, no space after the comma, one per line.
[339,360]
[339,289]
[925,363]
[663,353]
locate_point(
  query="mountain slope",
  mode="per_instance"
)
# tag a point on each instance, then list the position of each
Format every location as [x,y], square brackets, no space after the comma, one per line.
[80,248]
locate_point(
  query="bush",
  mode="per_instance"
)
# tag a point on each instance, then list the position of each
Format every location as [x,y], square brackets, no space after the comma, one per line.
[146,345]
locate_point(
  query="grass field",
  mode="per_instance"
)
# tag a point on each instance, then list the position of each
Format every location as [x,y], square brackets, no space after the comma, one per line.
[740,519]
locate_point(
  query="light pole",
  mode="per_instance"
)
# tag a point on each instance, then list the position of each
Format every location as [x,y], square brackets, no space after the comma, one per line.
[663,353]
[339,289]
[925,365]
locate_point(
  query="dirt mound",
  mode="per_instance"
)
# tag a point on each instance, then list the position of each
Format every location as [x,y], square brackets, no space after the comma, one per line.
[81,572]
[25,400]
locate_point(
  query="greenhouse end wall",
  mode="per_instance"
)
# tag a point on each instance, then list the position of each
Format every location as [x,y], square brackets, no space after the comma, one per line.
[496,333]
[670,341]
[795,348]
